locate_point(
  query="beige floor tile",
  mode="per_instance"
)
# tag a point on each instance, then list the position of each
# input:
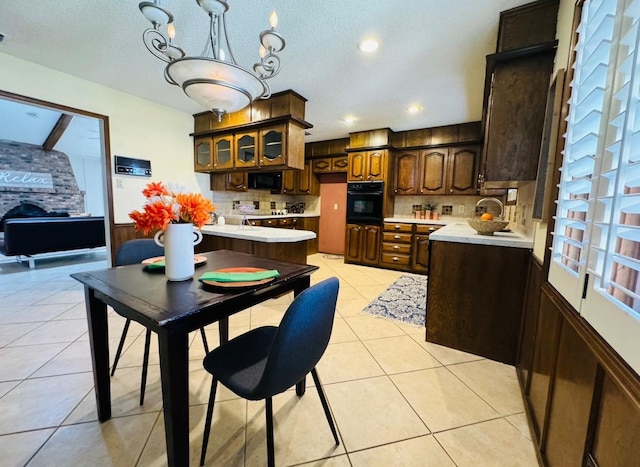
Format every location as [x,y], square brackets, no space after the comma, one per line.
[519,420]
[9,333]
[417,452]
[267,315]
[18,448]
[445,355]
[75,358]
[367,328]
[351,307]
[347,361]
[78,311]
[371,292]
[492,443]
[337,461]
[7,386]
[226,442]
[400,354]
[441,399]
[36,313]
[342,332]
[117,442]
[200,387]
[301,430]
[371,412]
[65,296]
[125,396]
[21,362]
[347,292]
[495,382]
[43,402]
[53,332]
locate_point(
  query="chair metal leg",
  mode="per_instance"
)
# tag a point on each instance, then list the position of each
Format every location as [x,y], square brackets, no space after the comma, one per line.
[120,346]
[204,340]
[145,365]
[271,458]
[325,404]
[207,422]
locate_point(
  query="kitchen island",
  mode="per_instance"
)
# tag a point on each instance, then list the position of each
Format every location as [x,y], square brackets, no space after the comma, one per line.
[281,244]
[476,290]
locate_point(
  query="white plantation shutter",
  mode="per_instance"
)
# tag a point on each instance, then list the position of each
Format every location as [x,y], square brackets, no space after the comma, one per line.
[597,233]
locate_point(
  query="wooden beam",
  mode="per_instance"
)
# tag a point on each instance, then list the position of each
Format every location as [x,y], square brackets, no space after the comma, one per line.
[57,132]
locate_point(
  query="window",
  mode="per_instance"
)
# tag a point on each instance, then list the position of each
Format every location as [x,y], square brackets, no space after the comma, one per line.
[596,248]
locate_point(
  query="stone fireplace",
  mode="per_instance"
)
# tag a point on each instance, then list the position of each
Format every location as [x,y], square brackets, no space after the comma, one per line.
[63,196]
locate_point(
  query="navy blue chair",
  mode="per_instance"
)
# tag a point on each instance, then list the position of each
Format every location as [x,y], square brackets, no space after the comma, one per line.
[134,252]
[269,360]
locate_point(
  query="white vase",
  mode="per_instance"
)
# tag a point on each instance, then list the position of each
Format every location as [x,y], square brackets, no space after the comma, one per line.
[178,241]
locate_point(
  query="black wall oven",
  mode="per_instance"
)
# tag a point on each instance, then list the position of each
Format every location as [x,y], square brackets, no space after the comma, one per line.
[364,202]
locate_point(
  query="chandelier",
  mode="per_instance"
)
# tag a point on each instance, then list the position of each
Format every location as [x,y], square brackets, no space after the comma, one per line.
[213,79]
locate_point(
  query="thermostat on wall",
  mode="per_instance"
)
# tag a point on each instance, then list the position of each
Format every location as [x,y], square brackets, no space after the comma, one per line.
[130,166]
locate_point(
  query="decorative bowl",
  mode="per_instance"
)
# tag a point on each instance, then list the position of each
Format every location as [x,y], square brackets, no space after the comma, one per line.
[486,227]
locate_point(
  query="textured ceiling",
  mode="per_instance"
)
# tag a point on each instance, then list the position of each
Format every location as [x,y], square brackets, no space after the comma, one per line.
[432,53]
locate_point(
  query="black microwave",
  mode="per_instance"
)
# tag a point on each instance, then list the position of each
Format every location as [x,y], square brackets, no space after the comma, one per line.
[266,181]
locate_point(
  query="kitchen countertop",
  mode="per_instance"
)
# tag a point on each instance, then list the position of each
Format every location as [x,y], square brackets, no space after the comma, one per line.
[444,220]
[258,234]
[460,232]
[268,216]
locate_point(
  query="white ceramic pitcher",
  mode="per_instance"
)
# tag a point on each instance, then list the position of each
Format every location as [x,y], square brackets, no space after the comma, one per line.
[178,241]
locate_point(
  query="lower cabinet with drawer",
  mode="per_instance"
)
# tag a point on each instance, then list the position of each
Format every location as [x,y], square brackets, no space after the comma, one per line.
[405,246]
[396,246]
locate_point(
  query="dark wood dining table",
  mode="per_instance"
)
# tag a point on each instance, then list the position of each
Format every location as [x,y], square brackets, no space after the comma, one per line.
[172,310]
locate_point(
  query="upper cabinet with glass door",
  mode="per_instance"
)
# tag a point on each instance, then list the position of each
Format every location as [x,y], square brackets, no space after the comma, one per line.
[246,154]
[203,157]
[272,147]
[273,142]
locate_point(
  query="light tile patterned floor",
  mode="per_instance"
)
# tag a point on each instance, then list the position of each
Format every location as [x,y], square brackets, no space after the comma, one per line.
[397,399]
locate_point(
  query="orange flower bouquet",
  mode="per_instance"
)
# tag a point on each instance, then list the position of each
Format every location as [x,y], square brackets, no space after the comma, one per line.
[168,205]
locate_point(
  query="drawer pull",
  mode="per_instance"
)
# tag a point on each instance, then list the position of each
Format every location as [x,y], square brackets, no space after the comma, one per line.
[397,237]
[396,247]
[396,227]
[395,258]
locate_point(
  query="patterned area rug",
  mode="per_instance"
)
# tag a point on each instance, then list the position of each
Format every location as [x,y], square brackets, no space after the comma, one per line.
[405,300]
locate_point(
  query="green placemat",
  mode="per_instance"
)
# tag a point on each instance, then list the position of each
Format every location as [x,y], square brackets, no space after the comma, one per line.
[238,276]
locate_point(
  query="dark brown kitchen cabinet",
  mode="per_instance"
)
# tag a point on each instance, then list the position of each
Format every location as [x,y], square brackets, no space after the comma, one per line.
[362,244]
[331,164]
[300,182]
[514,117]
[420,247]
[469,308]
[396,246]
[437,171]
[231,181]
[449,171]
[367,166]
[406,178]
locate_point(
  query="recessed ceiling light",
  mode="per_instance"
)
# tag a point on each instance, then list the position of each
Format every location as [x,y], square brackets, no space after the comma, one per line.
[369,45]
[415,108]
[350,119]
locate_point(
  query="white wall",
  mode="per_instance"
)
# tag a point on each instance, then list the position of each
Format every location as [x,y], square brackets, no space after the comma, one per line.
[138,128]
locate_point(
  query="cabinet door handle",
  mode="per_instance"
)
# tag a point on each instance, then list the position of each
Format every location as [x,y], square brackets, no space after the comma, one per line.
[451,190]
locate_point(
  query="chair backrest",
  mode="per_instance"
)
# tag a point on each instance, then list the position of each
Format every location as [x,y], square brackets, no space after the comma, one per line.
[301,339]
[135,251]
